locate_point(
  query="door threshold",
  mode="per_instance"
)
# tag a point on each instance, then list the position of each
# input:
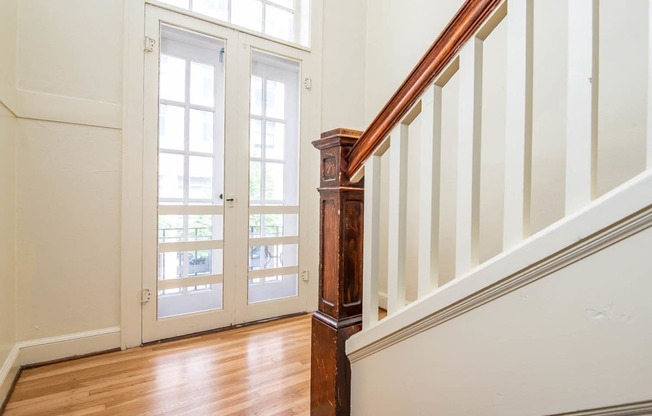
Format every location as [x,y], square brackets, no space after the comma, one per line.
[225,328]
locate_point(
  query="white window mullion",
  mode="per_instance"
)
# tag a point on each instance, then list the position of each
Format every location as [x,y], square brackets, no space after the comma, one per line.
[263,135]
[191,106]
[263,232]
[186,136]
[263,23]
[216,166]
[281,6]
[297,21]
[185,257]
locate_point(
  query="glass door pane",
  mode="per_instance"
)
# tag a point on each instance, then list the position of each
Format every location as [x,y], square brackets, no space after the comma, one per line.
[273,178]
[190,173]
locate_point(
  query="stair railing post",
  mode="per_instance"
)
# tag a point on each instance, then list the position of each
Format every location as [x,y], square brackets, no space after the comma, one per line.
[339,312]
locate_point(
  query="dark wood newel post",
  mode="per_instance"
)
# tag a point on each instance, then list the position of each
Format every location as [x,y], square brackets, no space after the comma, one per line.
[340,276]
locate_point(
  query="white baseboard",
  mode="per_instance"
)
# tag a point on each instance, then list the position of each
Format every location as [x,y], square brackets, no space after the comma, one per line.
[8,372]
[68,346]
[54,348]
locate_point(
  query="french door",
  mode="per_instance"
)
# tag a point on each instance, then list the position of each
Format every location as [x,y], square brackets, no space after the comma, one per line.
[221,219]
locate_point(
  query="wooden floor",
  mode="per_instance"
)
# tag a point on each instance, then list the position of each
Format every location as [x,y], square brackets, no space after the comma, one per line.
[256,370]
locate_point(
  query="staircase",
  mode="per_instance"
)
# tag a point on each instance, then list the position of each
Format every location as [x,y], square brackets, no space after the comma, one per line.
[521,318]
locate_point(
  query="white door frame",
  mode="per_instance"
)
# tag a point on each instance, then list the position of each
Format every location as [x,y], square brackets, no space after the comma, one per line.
[132,164]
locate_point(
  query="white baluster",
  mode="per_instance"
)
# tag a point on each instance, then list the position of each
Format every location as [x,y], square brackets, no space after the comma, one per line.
[429,189]
[371,237]
[397,219]
[518,141]
[582,121]
[468,161]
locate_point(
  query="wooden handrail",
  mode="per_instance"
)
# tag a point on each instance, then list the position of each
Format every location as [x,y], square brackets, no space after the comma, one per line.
[460,29]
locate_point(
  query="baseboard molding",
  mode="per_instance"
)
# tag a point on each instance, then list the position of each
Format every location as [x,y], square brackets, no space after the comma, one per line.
[43,350]
[67,346]
[8,372]
[631,409]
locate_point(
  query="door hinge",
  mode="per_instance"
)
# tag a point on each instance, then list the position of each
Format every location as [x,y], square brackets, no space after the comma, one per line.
[305,275]
[307,83]
[145,296]
[149,44]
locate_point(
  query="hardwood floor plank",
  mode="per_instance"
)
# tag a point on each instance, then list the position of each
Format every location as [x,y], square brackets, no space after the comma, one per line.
[261,369]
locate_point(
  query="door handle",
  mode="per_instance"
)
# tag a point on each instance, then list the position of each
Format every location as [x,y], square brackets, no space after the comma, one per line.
[231,200]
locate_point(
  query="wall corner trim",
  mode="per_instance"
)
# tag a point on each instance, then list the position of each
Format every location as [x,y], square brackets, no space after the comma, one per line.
[8,373]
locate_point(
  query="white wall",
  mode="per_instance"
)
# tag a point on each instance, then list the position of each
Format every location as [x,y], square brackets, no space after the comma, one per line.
[7,192]
[398,34]
[577,339]
[343,65]
[8,13]
[549,107]
[68,228]
[68,175]
[71,48]
[623,81]
[7,240]
[623,99]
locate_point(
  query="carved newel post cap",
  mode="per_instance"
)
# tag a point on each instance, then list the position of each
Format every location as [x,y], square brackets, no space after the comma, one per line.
[335,146]
[337,137]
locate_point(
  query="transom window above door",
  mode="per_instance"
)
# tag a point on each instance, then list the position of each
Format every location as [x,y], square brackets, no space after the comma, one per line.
[287,20]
